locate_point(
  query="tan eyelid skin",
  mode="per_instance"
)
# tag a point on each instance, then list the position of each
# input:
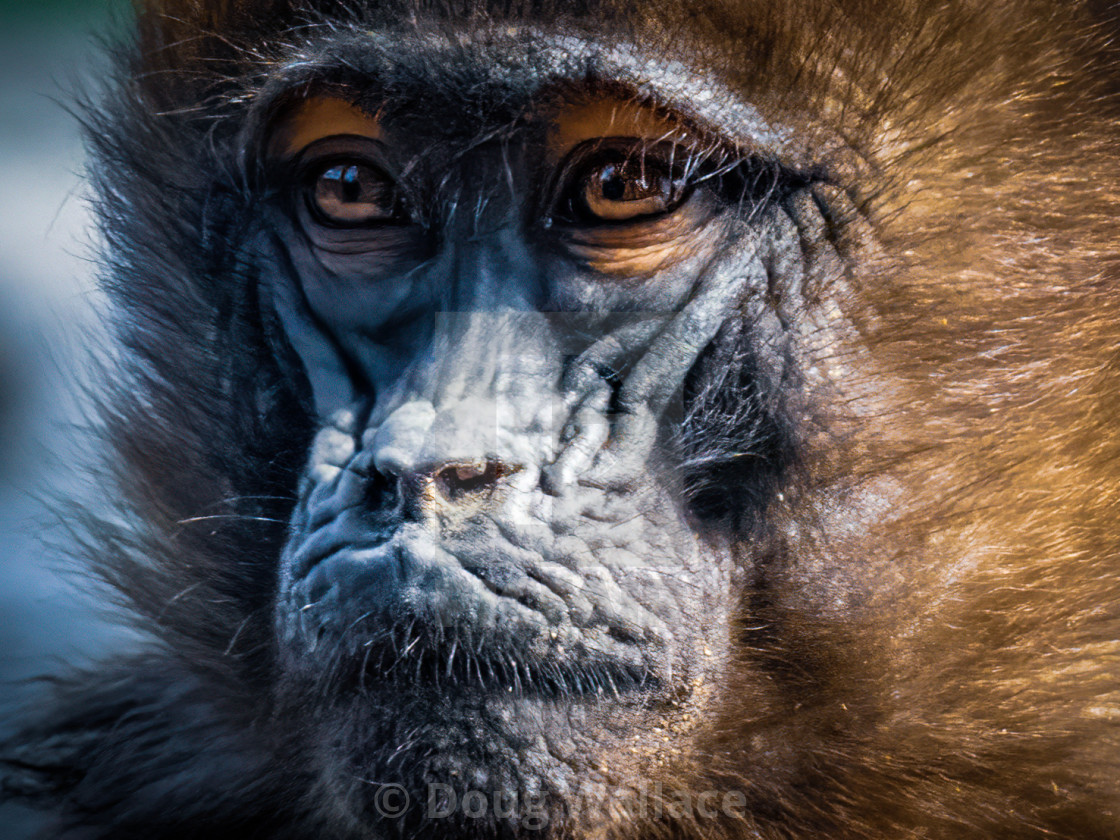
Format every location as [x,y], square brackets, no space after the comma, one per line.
[610,118]
[325,116]
[316,118]
[614,254]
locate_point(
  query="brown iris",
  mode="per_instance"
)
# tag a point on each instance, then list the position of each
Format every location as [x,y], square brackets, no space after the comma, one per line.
[351,193]
[613,185]
[620,191]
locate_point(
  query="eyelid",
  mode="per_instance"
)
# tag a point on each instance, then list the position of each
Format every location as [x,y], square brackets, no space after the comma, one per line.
[342,145]
[303,125]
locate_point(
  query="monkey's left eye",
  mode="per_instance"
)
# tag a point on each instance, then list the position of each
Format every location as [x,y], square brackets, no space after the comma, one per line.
[351,193]
[618,192]
[621,182]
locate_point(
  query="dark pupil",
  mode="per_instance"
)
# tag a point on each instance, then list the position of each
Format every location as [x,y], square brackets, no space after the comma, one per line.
[351,185]
[629,182]
[613,184]
[352,194]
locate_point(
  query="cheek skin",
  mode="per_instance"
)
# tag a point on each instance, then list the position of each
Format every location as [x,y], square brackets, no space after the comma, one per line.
[635,253]
[637,262]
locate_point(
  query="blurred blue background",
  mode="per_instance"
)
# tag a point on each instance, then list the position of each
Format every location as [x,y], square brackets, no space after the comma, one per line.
[48,330]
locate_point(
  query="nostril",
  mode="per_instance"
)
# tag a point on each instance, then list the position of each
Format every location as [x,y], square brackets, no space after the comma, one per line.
[457,480]
[380,490]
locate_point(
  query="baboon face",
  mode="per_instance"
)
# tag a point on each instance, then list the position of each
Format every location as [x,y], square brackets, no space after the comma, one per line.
[503,556]
[644,421]
[611,408]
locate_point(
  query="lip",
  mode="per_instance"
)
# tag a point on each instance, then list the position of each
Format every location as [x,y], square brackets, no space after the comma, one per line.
[404,611]
[416,664]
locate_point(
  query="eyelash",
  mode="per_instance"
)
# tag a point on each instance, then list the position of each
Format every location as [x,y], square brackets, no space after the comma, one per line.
[751,183]
[730,178]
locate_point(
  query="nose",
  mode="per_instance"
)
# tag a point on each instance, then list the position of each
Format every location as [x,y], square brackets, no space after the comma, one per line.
[435,461]
[461,484]
[456,481]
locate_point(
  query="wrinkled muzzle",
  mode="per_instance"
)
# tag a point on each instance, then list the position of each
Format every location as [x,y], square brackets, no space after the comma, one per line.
[507,507]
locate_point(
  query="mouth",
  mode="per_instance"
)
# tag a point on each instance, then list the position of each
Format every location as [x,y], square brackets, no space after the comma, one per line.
[416,664]
[408,614]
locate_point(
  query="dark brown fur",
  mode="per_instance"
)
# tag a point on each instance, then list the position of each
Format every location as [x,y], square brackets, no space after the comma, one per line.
[932,647]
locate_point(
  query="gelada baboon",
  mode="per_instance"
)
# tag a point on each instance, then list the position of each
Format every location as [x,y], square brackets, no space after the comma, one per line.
[605,420]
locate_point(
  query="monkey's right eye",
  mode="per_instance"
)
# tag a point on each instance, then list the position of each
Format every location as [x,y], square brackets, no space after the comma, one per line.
[352,193]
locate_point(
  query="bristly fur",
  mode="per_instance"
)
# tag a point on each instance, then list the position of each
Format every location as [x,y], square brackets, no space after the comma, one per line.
[991,336]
